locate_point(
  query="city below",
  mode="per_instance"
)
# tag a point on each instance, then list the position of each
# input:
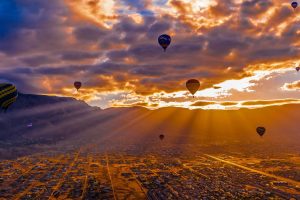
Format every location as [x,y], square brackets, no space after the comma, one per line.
[167,173]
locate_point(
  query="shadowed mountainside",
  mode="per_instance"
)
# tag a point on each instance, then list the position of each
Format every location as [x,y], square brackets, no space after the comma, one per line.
[58,119]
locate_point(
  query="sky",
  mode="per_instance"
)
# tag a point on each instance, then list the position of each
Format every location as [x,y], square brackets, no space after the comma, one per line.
[243,52]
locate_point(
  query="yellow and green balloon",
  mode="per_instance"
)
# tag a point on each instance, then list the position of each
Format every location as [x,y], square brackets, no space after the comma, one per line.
[8,95]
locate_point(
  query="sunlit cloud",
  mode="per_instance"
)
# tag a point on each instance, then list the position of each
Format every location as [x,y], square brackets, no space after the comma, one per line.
[294,86]
[102,12]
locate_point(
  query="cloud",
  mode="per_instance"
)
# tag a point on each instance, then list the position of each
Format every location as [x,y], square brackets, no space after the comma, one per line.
[255,8]
[269,102]
[291,86]
[79,55]
[234,45]
[203,103]
[89,33]
[38,60]
[229,103]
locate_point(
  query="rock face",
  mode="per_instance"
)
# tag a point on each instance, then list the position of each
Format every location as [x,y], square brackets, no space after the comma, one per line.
[46,118]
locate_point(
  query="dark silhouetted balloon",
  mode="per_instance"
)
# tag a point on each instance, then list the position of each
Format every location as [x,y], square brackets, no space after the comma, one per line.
[161,137]
[297,68]
[193,86]
[8,95]
[261,130]
[77,85]
[294,4]
[164,41]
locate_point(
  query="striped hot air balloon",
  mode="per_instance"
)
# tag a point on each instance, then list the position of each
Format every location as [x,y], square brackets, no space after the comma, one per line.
[8,95]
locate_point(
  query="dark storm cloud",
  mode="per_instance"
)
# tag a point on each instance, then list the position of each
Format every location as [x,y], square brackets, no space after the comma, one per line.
[117,55]
[37,25]
[21,70]
[149,70]
[281,15]
[78,55]
[22,82]
[62,70]
[146,51]
[138,4]
[128,26]
[291,33]
[67,71]
[89,33]
[38,60]
[223,8]
[10,18]
[270,53]
[253,8]
[223,46]
[96,82]
[157,29]
[108,68]
[190,46]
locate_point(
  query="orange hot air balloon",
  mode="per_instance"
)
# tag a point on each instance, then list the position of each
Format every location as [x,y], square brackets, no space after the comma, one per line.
[193,86]
[77,85]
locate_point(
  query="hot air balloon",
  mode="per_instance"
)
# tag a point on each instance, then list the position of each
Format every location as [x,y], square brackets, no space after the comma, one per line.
[8,95]
[164,41]
[297,68]
[193,86]
[294,4]
[161,137]
[77,85]
[261,131]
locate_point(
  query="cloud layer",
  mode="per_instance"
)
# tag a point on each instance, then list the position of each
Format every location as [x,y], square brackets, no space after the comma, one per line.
[232,47]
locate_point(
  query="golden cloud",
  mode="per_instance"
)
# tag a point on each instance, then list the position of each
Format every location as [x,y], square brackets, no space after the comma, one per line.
[102,12]
[270,102]
[291,86]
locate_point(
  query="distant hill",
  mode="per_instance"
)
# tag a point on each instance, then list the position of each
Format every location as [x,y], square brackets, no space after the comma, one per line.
[69,120]
[41,111]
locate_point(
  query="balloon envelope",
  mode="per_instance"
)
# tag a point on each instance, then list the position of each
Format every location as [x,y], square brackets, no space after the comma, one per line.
[161,137]
[193,86]
[294,4]
[8,95]
[297,68]
[164,41]
[261,130]
[77,85]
